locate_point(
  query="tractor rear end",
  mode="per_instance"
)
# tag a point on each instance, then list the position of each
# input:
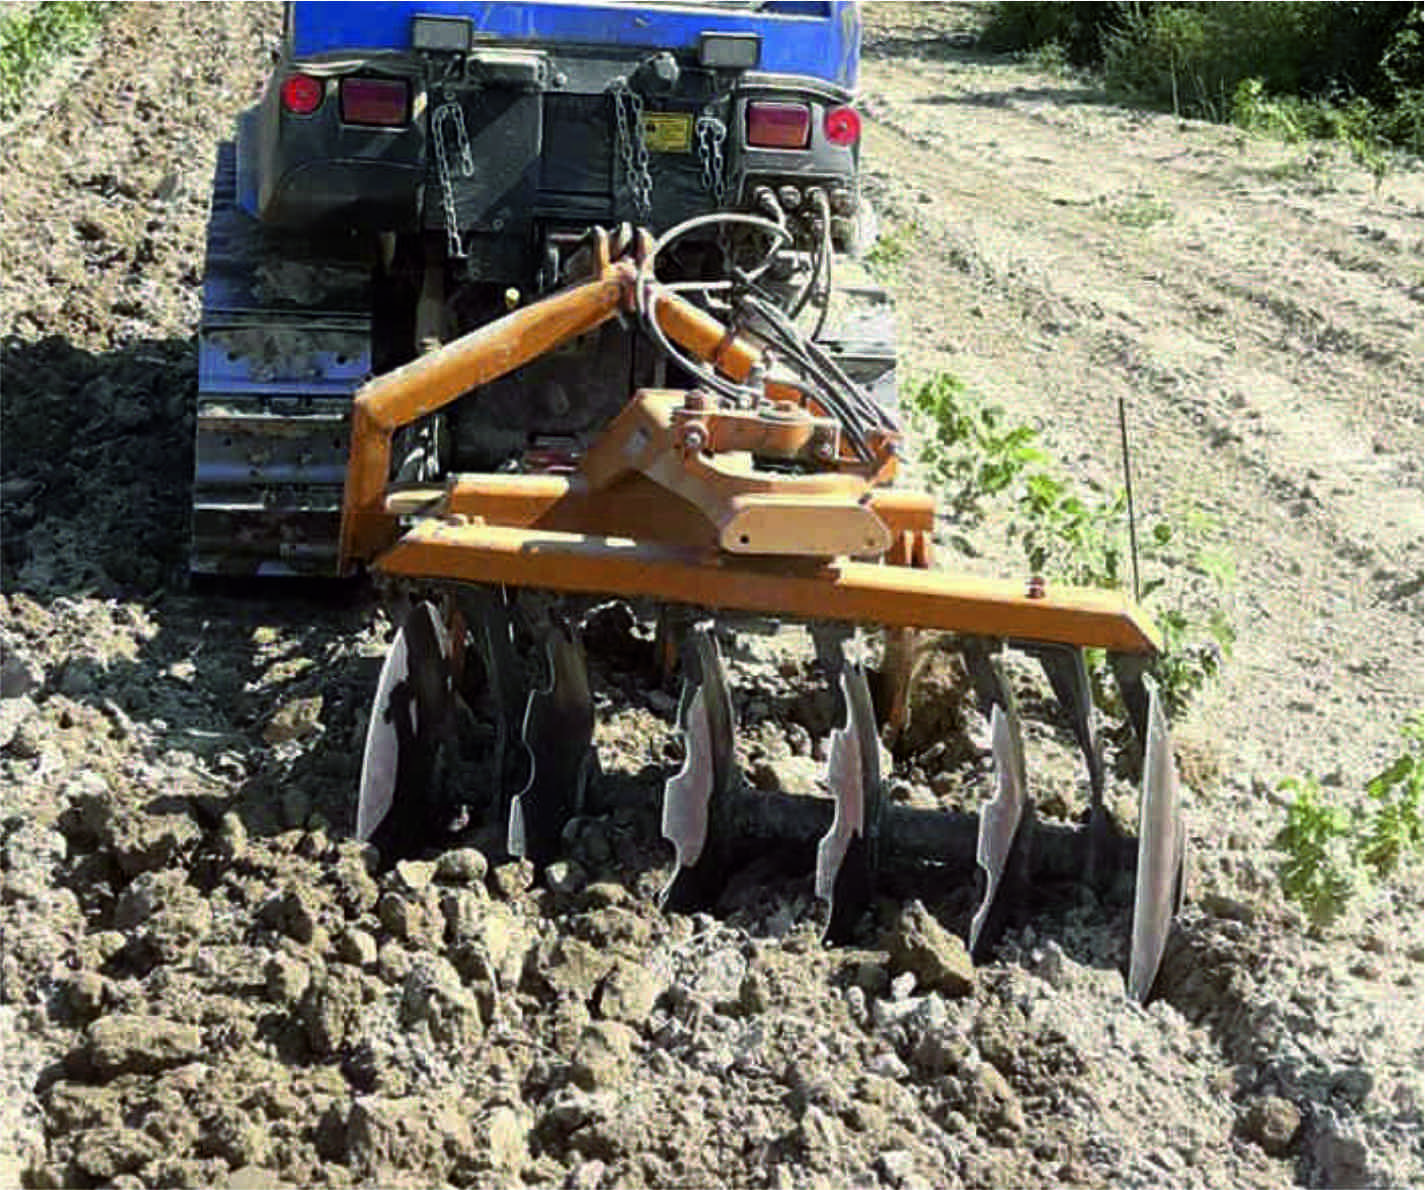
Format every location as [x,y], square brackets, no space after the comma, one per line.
[602,359]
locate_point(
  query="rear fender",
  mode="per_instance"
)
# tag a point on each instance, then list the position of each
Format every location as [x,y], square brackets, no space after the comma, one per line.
[310,170]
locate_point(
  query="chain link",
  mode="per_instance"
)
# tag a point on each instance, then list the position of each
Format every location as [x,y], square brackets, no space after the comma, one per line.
[628,110]
[712,134]
[451,113]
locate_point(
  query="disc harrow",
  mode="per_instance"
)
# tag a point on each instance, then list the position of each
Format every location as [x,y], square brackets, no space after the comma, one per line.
[763,490]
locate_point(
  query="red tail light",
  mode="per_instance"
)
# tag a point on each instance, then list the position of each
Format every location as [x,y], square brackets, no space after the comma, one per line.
[778,125]
[383,102]
[843,126]
[302,94]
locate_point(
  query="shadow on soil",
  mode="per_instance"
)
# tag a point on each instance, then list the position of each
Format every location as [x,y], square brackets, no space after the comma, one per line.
[95,467]
[939,47]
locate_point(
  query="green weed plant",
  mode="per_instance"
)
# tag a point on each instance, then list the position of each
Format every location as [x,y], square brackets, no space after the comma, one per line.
[892,247]
[1348,72]
[983,460]
[34,38]
[1331,852]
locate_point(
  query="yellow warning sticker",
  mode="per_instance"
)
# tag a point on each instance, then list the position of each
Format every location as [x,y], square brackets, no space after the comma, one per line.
[668,132]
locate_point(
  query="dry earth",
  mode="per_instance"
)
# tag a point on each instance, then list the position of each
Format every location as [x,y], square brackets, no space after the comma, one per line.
[203,982]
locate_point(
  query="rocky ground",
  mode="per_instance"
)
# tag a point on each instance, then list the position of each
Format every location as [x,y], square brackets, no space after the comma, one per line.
[205,983]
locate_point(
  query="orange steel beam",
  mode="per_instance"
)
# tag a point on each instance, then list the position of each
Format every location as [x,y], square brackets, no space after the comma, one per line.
[635,507]
[704,336]
[858,592]
[425,385]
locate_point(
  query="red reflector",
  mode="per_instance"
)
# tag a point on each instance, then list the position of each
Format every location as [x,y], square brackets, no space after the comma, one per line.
[374,101]
[301,94]
[778,125]
[843,126]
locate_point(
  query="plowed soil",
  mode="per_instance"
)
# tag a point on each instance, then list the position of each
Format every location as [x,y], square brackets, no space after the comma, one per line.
[205,983]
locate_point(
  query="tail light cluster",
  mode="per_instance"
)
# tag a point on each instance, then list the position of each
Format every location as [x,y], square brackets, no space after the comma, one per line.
[843,126]
[302,94]
[375,102]
[386,103]
[777,124]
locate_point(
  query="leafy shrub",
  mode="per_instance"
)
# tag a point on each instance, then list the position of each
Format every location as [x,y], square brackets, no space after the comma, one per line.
[1393,828]
[982,459]
[1077,28]
[1313,59]
[892,246]
[1333,851]
[1320,872]
[33,38]
[970,451]
[1192,57]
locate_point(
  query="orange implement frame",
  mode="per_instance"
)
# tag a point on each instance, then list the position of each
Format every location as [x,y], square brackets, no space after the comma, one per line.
[857,592]
[667,504]
[426,385]
[635,506]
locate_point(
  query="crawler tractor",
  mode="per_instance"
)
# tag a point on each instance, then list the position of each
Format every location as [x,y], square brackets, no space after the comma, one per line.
[524,308]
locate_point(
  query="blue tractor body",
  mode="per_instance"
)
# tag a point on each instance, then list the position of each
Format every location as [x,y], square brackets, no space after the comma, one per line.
[416,169]
[819,40]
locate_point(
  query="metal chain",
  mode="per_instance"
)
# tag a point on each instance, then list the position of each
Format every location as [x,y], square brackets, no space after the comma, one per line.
[450,112]
[628,109]
[712,134]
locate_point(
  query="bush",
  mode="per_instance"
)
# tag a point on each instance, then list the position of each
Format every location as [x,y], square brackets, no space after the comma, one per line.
[971,452]
[1078,28]
[983,459]
[1193,58]
[1320,872]
[1334,851]
[34,37]
[1313,59]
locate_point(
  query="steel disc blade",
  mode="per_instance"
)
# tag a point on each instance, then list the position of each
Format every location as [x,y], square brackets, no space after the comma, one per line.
[380,758]
[1067,672]
[853,775]
[693,797]
[489,615]
[687,792]
[1001,816]
[558,733]
[408,708]
[1160,853]
[848,855]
